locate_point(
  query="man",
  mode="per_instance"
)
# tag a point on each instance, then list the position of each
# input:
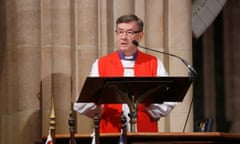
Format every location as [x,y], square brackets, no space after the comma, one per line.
[127,61]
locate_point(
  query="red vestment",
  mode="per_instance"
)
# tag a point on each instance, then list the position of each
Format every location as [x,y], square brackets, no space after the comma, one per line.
[110,65]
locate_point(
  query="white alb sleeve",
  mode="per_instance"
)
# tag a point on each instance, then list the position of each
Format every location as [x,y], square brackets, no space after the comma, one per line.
[156,111]
[94,70]
[90,109]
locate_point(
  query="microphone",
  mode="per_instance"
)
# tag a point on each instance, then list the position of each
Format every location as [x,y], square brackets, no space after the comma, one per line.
[192,71]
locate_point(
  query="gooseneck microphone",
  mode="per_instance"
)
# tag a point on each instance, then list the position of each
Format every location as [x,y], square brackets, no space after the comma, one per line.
[192,71]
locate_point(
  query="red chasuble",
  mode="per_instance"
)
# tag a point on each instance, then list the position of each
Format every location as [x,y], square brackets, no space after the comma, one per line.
[110,65]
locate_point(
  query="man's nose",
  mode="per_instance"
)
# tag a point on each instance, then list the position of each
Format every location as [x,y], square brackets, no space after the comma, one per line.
[124,35]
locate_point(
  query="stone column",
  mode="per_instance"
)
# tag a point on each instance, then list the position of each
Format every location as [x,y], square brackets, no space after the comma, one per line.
[231,67]
[20,73]
[122,7]
[154,26]
[178,40]
[61,61]
[86,49]
[208,72]
[57,76]
[106,27]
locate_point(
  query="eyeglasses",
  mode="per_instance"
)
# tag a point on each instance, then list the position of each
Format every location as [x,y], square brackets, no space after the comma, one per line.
[128,33]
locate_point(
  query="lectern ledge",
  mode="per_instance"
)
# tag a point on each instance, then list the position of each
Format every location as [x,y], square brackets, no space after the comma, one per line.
[106,90]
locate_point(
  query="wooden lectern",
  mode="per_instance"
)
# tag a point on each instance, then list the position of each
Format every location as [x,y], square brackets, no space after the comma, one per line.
[133,91]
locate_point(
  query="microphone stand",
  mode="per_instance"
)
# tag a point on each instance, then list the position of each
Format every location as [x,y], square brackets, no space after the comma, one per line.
[192,71]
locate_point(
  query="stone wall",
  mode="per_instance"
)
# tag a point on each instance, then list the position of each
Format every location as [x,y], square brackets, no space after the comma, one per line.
[47,48]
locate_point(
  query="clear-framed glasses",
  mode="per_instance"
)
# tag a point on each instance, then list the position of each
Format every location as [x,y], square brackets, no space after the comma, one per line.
[128,33]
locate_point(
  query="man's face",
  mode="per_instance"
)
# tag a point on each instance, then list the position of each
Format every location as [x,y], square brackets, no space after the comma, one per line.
[126,33]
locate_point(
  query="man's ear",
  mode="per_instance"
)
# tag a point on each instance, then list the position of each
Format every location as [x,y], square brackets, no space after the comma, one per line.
[141,34]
